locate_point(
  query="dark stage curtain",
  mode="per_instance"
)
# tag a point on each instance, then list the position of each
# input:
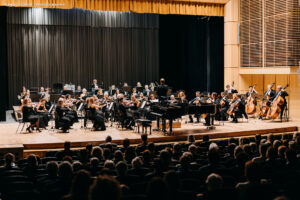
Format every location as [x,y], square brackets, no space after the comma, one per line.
[3,65]
[192,52]
[63,46]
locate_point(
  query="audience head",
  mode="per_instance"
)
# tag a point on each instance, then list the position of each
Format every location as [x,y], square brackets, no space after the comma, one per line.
[108,139]
[253,172]
[137,163]
[67,146]
[144,138]
[9,159]
[214,182]
[32,161]
[80,185]
[97,152]
[105,187]
[191,138]
[121,168]
[52,168]
[205,138]
[126,143]
[157,189]
[109,164]
[213,156]
[65,170]
[77,165]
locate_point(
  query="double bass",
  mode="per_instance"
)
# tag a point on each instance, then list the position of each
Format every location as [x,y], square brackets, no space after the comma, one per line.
[251,103]
[265,107]
[276,105]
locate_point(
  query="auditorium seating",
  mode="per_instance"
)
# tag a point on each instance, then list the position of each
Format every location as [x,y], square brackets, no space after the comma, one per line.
[260,167]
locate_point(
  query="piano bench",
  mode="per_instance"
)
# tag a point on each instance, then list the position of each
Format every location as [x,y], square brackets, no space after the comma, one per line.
[145,123]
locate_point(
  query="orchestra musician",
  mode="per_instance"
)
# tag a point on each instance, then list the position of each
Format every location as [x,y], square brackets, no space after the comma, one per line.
[152,86]
[270,93]
[230,90]
[42,91]
[240,109]
[146,91]
[83,95]
[173,100]
[22,94]
[134,92]
[97,115]
[196,102]
[63,120]
[251,91]
[112,90]
[94,86]
[43,112]
[78,91]
[224,105]
[283,94]
[46,96]
[29,115]
[100,93]
[126,115]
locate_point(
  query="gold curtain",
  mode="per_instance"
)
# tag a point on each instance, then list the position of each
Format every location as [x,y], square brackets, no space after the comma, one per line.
[181,7]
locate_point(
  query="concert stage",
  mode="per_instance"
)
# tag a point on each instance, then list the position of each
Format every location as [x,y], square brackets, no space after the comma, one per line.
[49,139]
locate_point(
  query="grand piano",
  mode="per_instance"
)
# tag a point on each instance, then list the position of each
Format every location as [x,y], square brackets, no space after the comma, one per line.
[171,112]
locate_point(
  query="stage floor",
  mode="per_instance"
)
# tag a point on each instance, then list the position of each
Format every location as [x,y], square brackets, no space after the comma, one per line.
[80,137]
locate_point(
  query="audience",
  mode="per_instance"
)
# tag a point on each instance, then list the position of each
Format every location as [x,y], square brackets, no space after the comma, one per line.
[248,168]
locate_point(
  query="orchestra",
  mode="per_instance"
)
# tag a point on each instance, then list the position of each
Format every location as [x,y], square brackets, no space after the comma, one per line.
[127,104]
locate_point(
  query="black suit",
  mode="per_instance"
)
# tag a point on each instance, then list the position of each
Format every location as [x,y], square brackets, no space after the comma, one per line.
[162,91]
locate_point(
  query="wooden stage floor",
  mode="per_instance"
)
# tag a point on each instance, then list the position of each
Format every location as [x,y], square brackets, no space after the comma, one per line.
[80,137]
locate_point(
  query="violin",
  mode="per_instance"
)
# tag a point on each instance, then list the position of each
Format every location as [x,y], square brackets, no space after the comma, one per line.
[251,103]
[276,104]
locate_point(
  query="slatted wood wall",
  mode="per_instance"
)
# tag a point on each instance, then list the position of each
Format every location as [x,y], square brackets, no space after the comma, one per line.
[270,33]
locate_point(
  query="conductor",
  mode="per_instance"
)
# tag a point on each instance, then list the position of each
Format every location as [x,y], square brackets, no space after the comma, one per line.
[162,90]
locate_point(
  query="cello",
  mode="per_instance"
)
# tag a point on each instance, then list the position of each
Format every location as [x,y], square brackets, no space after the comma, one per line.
[265,107]
[234,105]
[251,103]
[276,105]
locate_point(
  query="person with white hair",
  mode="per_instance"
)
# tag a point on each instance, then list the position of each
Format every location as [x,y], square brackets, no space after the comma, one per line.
[137,168]
[213,146]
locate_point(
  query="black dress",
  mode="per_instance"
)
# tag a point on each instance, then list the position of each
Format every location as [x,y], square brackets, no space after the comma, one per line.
[97,118]
[44,116]
[29,115]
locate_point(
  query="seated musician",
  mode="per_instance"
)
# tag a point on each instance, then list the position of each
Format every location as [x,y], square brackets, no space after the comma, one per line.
[42,91]
[83,95]
[134,107]
[141,97]
[214,100]
[22,94]
[230,90]
[152,86]
[78,91]
[112,90]
[96,115]
[27,95]
[72,114]
[43,112]
[46,96]
[240,109]
[196,102]
[127,117]
[224,105]
[283,94]
[134,92]
[146,91]
[94,86]
[172,99]
[64,120]
[100,93]
[29,115]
